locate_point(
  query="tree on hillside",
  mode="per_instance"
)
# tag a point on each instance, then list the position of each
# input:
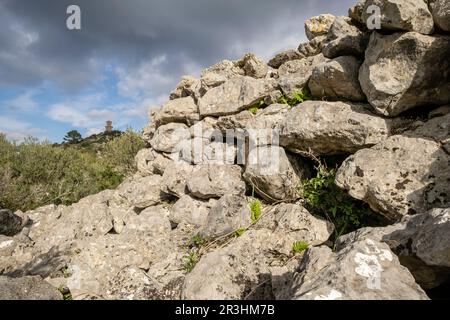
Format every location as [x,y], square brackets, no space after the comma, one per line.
[72,136]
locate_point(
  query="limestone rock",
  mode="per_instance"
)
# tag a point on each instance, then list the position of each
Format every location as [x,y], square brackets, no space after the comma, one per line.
[273,176]
[175,178]
[230,213]
[187,87]
[406,15]
[168,137]
[214,181]
[345,38]
[364,270]
[391,90]
[332,127]
[253,66]
[319,25]
[178,110]
[11,223]
[218,74]
[149,162]
[283,57]
[405,174]
[441,13]
[337,79]
[191,211]
[235,95]
[313,47]
[27,288]
[142,192]
[294,75]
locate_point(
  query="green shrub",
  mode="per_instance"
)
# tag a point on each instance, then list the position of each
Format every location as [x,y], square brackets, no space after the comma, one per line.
[197,241]
[299,246]
[298,97]
[323,197]
[38,173]
[255,208]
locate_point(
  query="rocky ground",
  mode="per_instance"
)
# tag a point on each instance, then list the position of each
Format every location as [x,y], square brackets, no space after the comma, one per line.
[189,227]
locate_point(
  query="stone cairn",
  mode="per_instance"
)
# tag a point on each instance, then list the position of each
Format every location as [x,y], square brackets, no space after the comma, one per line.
[379,98]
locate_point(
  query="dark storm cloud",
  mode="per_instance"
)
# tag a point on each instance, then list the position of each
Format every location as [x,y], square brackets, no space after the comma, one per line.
[35,45]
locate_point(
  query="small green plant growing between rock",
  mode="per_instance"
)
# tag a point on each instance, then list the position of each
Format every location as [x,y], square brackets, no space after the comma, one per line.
[191,260]
[197,241]
[66,272]
[255,208]
[65,292]
[298,97]
[255,107]
[239,232]
[299,246]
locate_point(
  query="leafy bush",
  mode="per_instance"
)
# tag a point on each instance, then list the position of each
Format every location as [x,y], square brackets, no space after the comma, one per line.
[323,197]
[298,97]
[38,173]
[299,246]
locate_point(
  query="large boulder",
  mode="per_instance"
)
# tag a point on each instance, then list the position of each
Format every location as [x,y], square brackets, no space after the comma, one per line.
[11,223]
[214,181]
[273,175]
[191,211]
[345,38]
[405,174]
[337,80]
[235,95]
[178,110]
[27,288]
[332,127]
[406,70]
[218,74]
[187,87]
[420,242]
[294,75]
[363,270]
[168,137]
[441,13]
[175,178]
[406,15]
[230,213]
[318,26]
[313,47]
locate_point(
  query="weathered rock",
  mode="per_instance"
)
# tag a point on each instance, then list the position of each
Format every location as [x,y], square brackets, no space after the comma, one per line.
[179,110]
[168,137]
[345,38]
[253,66]
[441,13]
[214,181]
[27,288]
[218,74]
[294,223]
[391,90]
[230,213]
[149,162]
[273,176]
[283,57]
[191,211]
[407,15]
[332,128]
[142,192]
[405,174]
[235,95]
[294,75]
[153,221]
[313,47]
[237,271]
[175,178]
[187,87]
[11,223]
[364,270]
[419,241]
[319,25]
[337,79]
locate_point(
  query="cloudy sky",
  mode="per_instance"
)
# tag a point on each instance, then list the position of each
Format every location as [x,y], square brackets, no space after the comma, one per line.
[128,55]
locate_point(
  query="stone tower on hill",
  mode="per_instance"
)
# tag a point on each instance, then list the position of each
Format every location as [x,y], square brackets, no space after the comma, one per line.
[108,127]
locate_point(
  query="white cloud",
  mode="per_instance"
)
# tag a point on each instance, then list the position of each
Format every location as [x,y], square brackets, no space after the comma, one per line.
[17,130]
[23,102]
